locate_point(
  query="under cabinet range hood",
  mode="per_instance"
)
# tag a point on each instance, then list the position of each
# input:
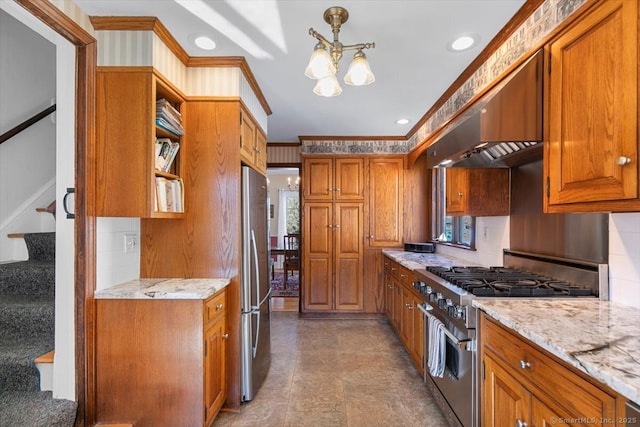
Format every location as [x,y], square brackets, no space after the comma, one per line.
[502,129]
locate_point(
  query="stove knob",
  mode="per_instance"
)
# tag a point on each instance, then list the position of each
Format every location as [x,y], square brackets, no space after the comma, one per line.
[449,302]
[451,311]
[460,313]
[428,290]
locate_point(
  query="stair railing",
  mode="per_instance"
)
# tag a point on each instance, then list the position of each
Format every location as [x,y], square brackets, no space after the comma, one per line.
[29,122]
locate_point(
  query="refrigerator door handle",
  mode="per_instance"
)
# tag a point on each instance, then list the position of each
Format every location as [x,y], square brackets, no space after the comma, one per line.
[256,265]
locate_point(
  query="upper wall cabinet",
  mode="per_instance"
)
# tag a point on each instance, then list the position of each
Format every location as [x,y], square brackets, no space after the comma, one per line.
[253,142]
[477,192]
[329,178]
[591,153]
[386,202]
[130,183]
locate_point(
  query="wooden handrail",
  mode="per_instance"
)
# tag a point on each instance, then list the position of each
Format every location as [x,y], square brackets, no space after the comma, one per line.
[30,121]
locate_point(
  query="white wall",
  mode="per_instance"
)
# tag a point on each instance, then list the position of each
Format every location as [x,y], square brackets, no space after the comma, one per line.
[27,161]
[113,265]
[624,258]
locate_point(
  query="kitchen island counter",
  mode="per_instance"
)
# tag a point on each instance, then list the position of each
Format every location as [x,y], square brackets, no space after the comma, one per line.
[600,338]
[164,289]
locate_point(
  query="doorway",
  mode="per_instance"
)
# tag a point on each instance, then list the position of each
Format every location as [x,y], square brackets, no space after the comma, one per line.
[283,182]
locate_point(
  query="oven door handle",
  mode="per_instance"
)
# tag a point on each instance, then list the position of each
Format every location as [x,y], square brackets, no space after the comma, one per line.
[466,344]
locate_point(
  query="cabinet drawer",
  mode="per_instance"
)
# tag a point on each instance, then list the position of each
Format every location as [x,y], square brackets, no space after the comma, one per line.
[215,306]
[555,382]
[406,276]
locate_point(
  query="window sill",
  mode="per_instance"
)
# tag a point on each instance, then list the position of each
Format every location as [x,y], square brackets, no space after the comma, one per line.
[456,245]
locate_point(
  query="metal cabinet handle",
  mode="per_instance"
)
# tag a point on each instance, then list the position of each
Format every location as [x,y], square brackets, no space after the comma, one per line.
[219,307]
[520,423]
[390,286]
[622,161]
[225,337]
[330,225]
[460,194]
[525,365]
[371,237]
[403,275]
[337,189]
[337,226]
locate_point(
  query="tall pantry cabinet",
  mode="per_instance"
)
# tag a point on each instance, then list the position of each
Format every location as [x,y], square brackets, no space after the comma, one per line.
[332,234]
[353,208]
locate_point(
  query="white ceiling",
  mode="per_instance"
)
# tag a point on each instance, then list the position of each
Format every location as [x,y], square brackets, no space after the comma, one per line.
[411,63]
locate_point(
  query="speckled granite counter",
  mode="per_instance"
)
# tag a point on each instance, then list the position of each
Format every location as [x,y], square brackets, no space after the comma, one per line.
[601,338]
[164,289]
[416,260]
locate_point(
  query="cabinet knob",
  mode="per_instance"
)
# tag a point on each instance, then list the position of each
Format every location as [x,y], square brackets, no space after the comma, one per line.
[337,189]
[225,337]
[524,365]
[622,160]
[459,193]
[371,237]
[403,275]
[520,423]
[219,307]
[330,225]
[337,226]
[329,189]
[390,286]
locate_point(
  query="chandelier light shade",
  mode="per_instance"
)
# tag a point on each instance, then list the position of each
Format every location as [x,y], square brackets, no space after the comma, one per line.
[324,62]
[328,87]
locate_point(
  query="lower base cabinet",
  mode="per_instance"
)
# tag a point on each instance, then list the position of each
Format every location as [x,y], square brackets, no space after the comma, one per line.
[401,308]
[160,362]
[521,385]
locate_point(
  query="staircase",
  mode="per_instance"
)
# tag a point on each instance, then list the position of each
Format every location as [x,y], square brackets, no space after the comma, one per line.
[26,332]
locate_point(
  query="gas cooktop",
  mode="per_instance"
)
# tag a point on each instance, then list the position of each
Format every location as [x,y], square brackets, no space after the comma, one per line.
[506,282]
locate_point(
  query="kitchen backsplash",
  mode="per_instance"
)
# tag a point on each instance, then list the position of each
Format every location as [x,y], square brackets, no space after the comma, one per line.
[113,264]
[624,258]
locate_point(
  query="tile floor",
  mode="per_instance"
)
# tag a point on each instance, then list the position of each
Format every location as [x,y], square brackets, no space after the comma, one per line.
[337,373]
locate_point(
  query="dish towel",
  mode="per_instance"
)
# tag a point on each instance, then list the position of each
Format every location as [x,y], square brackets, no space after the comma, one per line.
[437,347]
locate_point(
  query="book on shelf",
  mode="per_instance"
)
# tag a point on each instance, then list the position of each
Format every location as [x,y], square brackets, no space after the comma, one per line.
[169,195]
[166,151]
[168,118]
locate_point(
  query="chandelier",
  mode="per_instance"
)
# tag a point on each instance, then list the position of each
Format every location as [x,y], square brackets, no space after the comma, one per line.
[323,65]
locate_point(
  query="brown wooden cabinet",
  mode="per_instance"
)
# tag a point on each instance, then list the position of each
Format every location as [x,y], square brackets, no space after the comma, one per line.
[477,192]
[591,151]
[253,142]
[332,257]
[330,178]
[125,141]
[385,202]
[522,383]
[401,302]
[160,361]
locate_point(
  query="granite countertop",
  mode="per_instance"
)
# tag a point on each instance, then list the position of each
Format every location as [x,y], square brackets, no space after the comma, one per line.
[600,338]
[164,289]
[416,260]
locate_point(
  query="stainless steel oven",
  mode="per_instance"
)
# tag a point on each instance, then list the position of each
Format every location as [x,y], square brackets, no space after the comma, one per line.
[455,389]
[448,292]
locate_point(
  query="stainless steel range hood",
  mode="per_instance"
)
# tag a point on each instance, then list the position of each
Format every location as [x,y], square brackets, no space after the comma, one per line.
[502,129]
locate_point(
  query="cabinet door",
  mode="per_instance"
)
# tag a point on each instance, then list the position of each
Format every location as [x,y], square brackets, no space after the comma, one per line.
[456,190]
[417,343]
[504,399]
[406,329]
[386,186]
[593,111]
[318,256]
[261,152]
[214,365]
[247,138]
[349,249]
[388,292]
[349,179]
[398,306]
[318,179]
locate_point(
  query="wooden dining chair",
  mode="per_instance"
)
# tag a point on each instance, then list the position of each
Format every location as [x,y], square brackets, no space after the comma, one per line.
[291,255]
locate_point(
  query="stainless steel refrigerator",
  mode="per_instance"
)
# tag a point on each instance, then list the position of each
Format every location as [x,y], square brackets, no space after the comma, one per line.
[256,287]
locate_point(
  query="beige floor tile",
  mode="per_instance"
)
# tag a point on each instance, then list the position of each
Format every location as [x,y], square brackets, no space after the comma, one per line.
[337,373]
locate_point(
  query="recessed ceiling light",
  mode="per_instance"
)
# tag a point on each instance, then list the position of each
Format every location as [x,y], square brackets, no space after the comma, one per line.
[205,43]
[402,121]
[463,42]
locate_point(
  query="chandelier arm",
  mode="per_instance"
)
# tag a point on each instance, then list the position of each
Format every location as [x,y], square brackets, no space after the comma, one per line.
[320,38]
[358,46]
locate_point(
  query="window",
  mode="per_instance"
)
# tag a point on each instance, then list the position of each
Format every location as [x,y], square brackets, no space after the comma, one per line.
[454,230]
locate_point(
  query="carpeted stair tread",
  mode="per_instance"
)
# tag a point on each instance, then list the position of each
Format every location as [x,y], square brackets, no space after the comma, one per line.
[17,368]
[35,409]
[28,278]
[41,246]
[24,316]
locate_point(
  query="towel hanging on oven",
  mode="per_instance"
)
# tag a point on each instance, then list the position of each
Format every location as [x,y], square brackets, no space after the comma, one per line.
[437,347]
